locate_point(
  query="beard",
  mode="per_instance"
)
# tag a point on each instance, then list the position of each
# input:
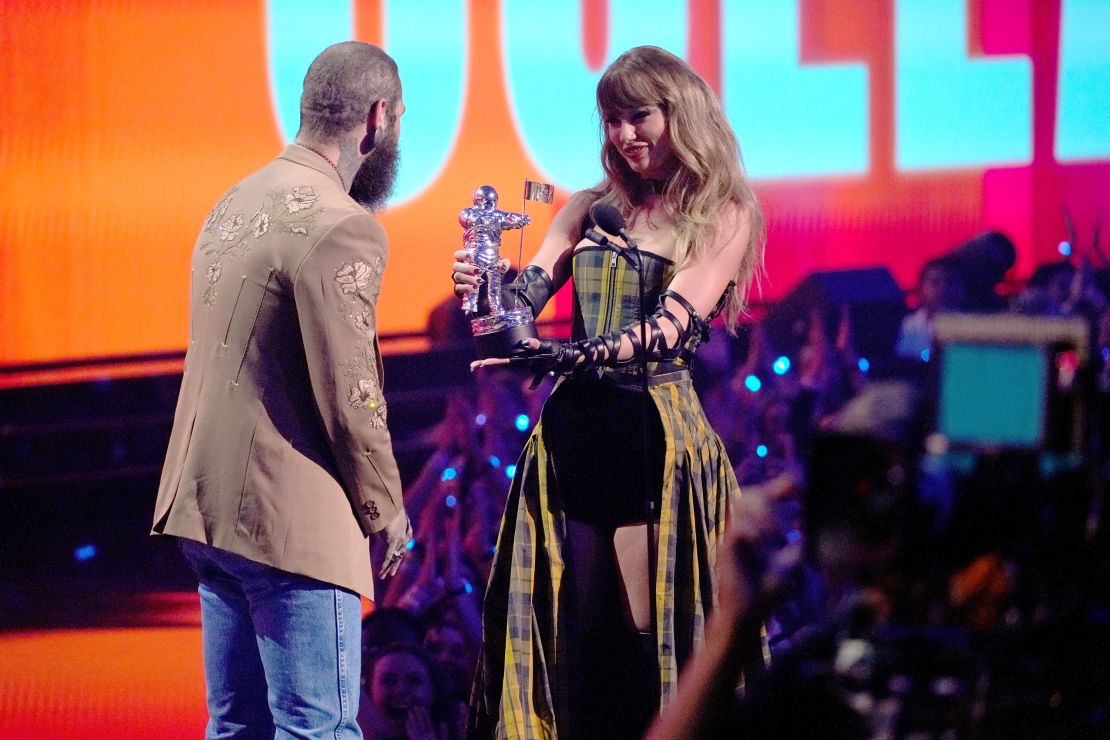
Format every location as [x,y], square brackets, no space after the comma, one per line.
[374,180]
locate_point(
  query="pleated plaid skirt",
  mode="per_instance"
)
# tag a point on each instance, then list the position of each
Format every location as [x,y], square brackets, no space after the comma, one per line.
[520,689]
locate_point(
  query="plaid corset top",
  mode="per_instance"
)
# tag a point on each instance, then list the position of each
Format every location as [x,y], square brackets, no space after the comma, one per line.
[606,290]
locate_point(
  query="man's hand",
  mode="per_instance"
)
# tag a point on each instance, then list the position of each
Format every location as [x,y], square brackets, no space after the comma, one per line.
[397,535]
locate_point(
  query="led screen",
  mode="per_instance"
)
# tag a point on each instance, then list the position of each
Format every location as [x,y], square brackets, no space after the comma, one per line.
[877,132]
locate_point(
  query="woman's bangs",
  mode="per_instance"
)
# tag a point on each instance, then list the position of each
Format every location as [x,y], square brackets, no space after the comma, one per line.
[625,89]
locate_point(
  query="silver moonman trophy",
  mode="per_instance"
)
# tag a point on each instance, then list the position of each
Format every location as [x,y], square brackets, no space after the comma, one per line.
[496,327]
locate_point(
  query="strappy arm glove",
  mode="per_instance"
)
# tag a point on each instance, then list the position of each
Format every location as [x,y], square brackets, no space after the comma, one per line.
[603,350]
[532,286]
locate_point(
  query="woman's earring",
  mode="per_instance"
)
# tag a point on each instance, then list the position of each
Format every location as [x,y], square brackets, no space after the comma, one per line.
[366,145]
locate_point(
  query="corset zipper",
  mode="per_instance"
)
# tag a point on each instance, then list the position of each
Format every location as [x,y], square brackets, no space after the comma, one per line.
[609,298]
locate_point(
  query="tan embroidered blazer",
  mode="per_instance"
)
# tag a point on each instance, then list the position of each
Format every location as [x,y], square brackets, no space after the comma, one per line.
[279,450]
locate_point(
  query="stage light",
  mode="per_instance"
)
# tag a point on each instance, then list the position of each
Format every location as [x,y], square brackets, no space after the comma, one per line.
[1105,352]
[495,461]
[781,365]
[1065,249]
[449,474]
[480,419]
[753,383]
[925,355]
[510,471]
[450,501]
[411,543]
[761,451]
[522,422]
[864,364]
[85,552]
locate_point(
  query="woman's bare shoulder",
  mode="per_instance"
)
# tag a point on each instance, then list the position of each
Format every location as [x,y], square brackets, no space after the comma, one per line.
[569,218]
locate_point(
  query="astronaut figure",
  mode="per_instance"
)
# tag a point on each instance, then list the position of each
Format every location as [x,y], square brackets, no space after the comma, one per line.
[482,226]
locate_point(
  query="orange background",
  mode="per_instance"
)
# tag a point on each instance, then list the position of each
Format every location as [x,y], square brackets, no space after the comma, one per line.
[125,120]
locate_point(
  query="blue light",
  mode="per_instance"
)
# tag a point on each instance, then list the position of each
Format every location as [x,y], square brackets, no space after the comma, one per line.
[752,383]
[495,461]
[85,552]
[1106,354]
[761,450]
[480,419]
[793,535]
[864,364]
[510,471]
[469,589]
[522,422]
[450,501]
[1065,249]
[781,365]
[449,474]
[411,543]
[925,355]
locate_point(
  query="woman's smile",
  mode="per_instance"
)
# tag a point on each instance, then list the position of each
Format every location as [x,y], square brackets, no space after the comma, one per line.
[640,135]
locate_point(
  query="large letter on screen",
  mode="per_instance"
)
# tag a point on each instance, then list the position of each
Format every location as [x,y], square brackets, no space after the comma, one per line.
[792,120]
[434,84]
[551,90]
[949,111]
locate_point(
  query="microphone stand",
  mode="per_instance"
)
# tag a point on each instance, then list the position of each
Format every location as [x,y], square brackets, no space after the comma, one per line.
[635,258]
[645,398]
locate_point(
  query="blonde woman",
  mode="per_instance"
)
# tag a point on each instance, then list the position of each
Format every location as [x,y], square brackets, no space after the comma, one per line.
[569,646]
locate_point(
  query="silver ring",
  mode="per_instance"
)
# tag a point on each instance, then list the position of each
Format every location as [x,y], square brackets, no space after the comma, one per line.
[396,556]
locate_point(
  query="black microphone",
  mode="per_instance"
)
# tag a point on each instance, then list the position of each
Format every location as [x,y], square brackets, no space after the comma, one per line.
[609,219]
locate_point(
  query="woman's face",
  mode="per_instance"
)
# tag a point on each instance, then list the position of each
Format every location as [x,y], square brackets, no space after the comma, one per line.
[640,135]
[400,682]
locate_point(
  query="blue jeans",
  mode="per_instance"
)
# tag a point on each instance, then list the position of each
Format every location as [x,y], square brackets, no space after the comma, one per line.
[282,652]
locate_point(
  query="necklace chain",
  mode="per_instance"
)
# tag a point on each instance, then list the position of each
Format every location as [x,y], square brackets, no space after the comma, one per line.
[320,154]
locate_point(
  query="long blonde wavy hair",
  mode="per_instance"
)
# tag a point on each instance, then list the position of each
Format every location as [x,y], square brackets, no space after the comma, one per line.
[710,174]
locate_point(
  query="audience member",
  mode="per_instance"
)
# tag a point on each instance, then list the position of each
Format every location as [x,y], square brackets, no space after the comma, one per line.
[404,701]
[938,289]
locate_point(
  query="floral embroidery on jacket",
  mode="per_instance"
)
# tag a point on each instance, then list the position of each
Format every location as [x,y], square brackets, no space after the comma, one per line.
[302,198]
[220,208]
[285,211]
[361,278]
[359,283]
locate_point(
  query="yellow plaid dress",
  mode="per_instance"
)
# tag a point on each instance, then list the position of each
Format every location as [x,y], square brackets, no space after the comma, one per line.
[520,687]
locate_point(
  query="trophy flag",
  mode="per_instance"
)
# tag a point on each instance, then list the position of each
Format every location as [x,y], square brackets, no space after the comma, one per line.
[541,191]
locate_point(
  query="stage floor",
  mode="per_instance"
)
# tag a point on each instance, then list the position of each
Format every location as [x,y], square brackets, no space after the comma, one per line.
[137,674]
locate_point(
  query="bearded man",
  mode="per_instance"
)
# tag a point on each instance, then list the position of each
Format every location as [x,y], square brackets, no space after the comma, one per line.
[280,464]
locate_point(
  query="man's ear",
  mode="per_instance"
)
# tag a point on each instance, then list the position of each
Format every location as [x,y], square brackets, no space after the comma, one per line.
[378,116]
[375,121]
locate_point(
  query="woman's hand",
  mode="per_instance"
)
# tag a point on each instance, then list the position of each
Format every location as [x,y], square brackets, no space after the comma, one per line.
[525,344]
[465,275]
[418,725]
[539,355]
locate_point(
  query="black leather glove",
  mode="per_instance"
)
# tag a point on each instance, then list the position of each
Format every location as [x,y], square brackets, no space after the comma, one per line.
[532,287]
[549,356]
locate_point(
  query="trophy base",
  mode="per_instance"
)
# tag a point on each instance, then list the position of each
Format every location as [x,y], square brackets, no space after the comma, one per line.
[497,334]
